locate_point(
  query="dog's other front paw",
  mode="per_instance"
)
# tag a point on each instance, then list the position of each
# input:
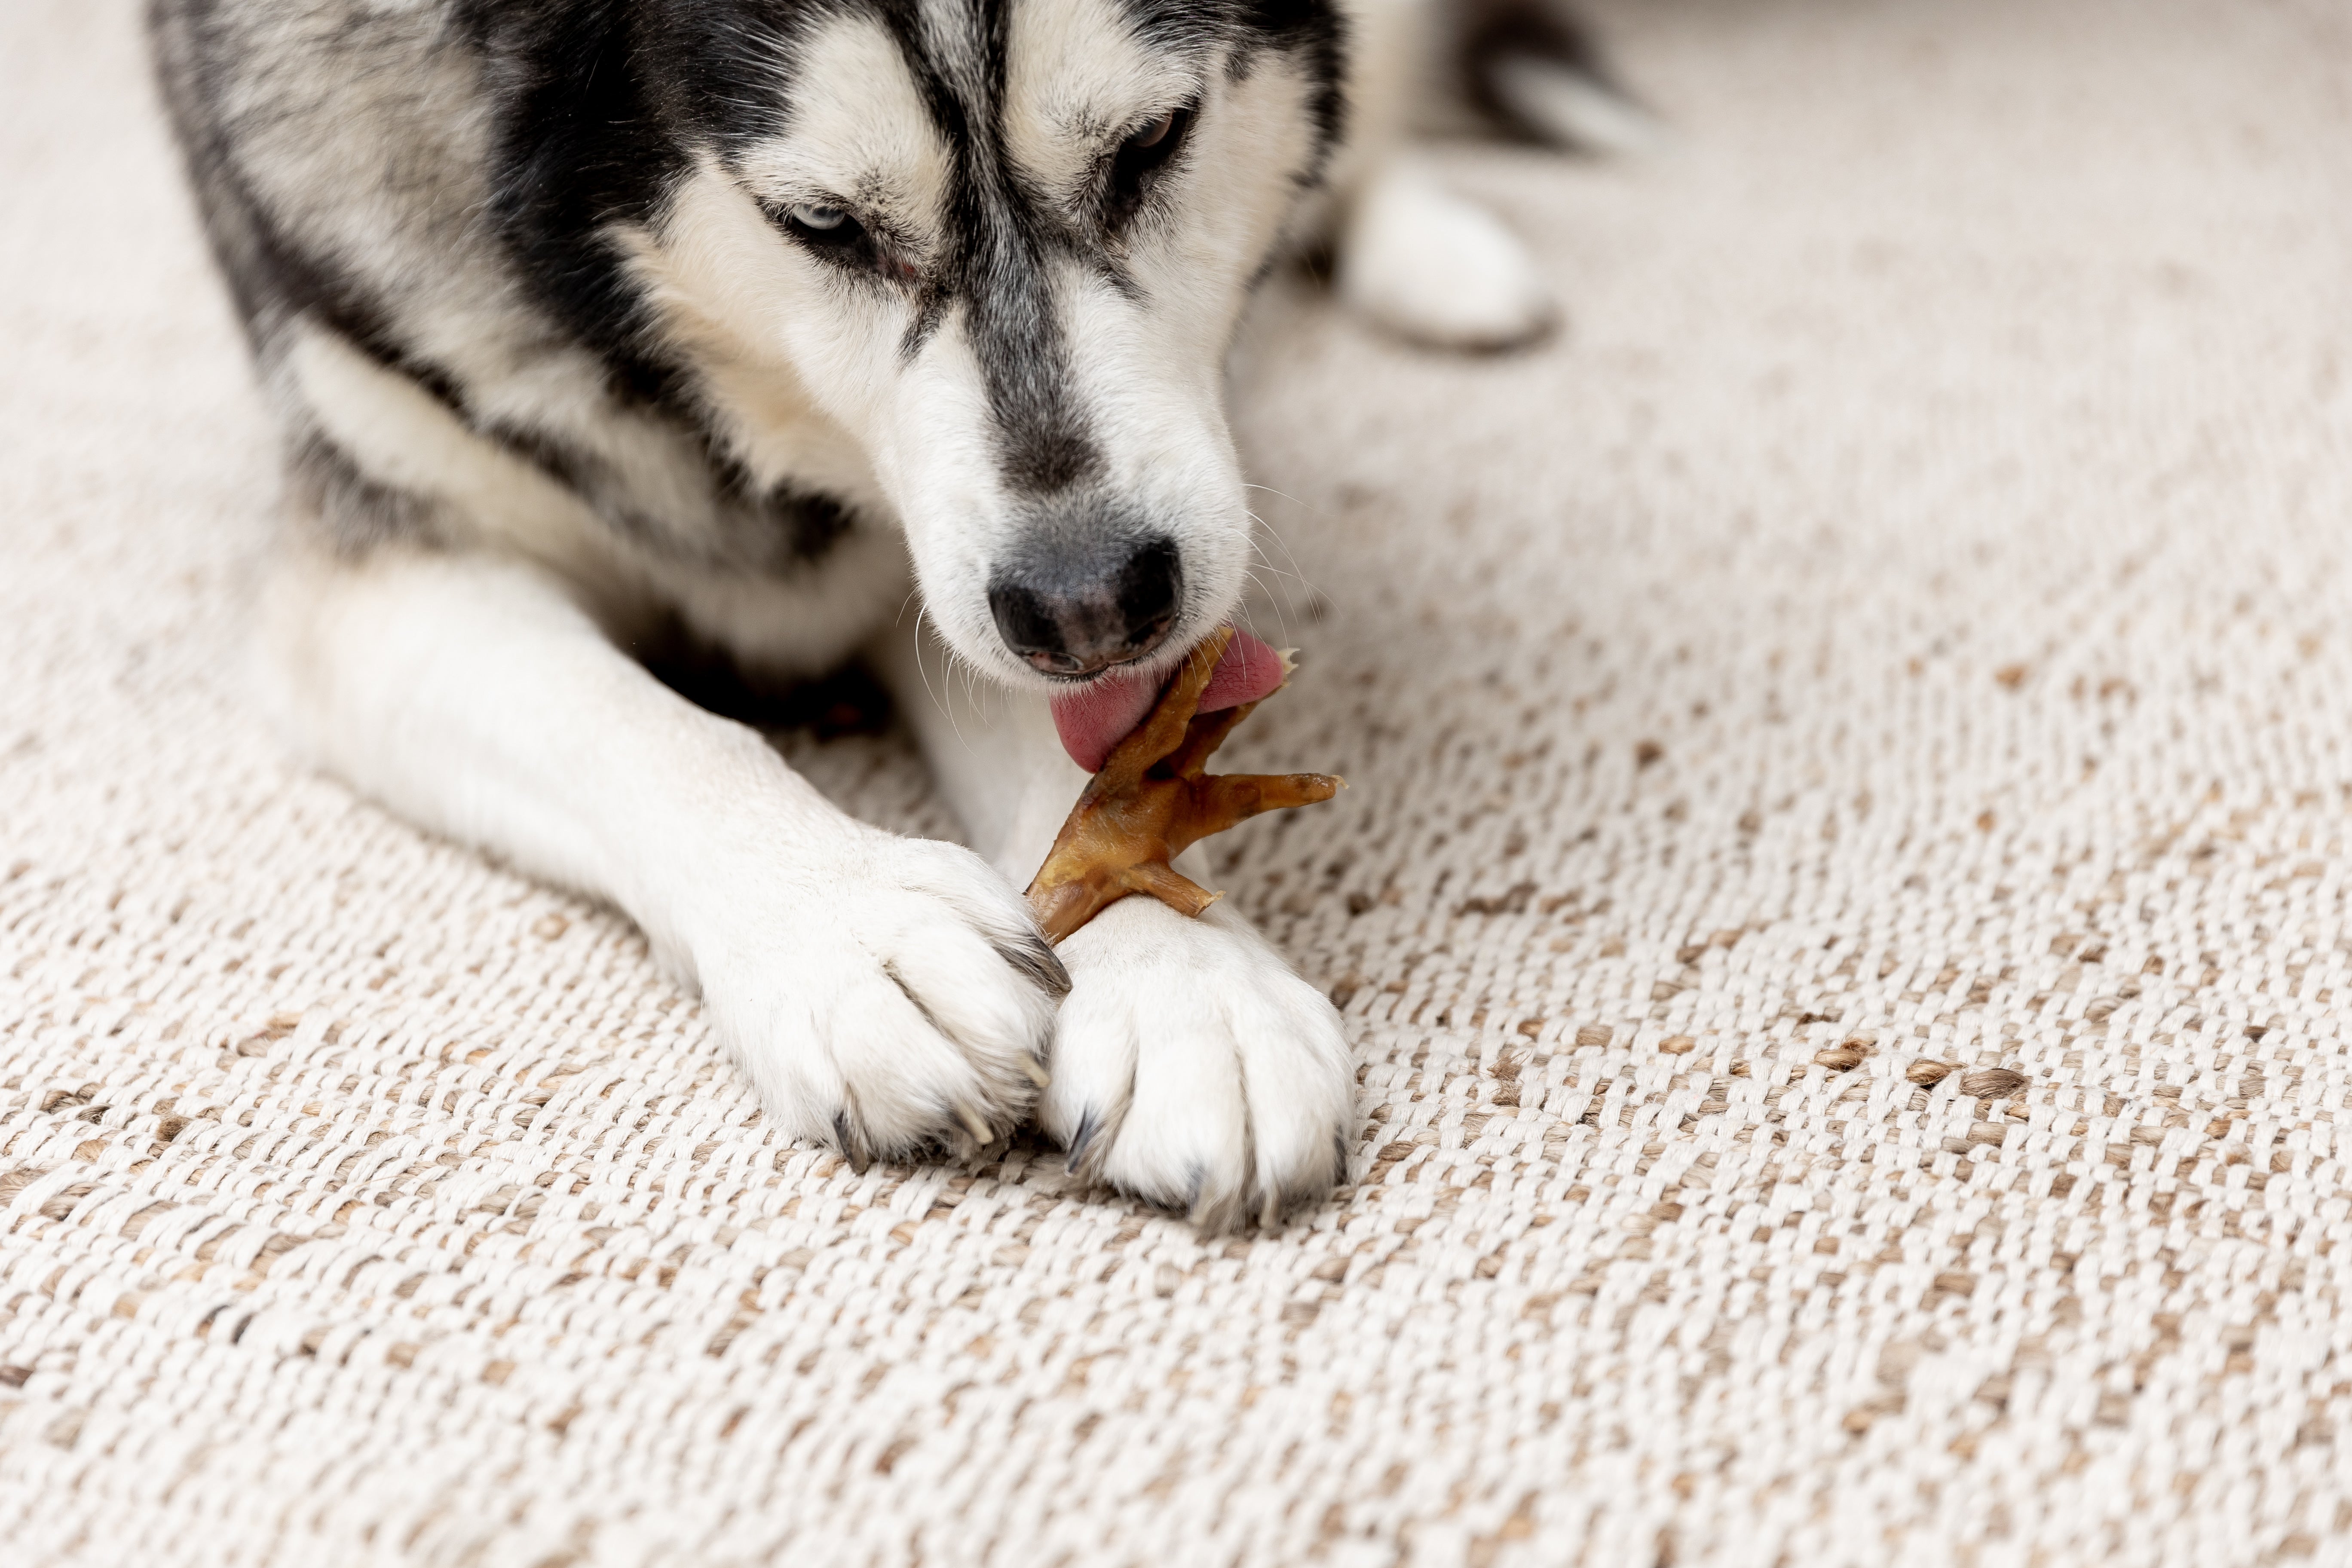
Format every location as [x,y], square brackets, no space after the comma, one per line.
[893,998]
[1193,1069]
[1439,270]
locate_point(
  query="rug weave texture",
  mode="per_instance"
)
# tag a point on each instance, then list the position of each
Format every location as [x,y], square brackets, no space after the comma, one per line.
[1840,911]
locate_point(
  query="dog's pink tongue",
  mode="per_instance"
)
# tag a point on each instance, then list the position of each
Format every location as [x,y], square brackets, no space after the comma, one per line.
[1097,717]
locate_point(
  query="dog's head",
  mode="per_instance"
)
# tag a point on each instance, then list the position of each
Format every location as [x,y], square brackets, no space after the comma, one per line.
[1002,245]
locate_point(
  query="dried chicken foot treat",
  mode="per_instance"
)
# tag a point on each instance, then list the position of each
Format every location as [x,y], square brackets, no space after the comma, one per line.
[1153,799]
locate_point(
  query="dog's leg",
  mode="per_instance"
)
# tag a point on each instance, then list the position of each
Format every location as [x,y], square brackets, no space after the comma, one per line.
[886,993]
[1419,259]
[1191,1067]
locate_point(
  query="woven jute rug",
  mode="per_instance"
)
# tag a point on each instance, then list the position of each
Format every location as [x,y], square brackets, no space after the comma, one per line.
[1840,912]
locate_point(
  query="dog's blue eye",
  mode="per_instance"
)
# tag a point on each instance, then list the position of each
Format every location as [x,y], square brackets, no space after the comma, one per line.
[818,216]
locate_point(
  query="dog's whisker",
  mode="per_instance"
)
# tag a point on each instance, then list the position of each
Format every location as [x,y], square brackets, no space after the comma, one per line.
[1276,534]
[1281,619]
[1266,561]
[1292,586]
[1284,494]
[939,701]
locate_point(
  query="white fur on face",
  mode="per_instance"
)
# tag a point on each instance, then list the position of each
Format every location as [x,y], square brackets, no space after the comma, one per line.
[794,352]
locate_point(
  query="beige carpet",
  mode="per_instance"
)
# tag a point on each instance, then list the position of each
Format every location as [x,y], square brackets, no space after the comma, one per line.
[1843,913]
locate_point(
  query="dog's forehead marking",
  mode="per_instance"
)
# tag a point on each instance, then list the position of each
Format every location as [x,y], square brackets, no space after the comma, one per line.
[1077,73]
[857,126]
[957,38]
[996,288]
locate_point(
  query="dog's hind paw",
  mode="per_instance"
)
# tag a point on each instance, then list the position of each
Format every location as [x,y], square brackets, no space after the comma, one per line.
[893,1000]
[1194,1070]
[1440,269]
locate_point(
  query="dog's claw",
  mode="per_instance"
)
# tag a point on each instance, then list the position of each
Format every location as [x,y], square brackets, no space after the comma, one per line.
[977,1125]
[852,1150]
[1089,1125]
[1215,1213]
[1036,1071]
[1036,960]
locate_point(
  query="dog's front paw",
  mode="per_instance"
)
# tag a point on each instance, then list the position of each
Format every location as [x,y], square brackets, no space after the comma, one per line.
[1194,1070]
[892,998]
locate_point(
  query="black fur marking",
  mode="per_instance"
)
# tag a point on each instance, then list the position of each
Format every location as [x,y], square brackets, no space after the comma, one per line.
[1003,238]
[849,701]
[1006,242]
[805,523]
[323,483]
[780,526]
[579,147]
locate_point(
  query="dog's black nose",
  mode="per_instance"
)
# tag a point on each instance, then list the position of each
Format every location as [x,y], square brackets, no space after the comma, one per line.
[1076,613]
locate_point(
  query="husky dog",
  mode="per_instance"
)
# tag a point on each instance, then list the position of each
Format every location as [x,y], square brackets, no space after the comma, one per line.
[593,325]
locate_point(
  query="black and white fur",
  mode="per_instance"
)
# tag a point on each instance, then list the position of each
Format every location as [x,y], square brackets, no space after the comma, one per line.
[598,324]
